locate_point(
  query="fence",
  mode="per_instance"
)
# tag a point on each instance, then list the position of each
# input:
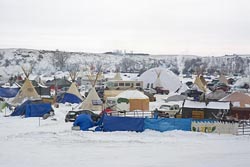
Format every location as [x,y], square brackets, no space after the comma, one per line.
[220,127]
[244,127]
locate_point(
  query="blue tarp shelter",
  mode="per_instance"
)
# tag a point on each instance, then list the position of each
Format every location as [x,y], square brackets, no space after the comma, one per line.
[167,124]
[68,97]
[32,109]
[84,121]
[112,123]
[8,92]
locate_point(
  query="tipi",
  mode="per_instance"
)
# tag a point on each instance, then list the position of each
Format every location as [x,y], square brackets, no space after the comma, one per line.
[200,83]
[92,101]
[27,91]
[72,95]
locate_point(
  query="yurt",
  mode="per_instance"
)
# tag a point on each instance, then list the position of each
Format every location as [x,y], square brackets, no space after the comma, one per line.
[137,100]
[160,77]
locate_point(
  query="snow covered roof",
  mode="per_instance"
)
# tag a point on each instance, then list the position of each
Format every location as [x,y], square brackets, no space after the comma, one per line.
[238,99]
[132,94]
[194,104]
[219,105]
[210,105]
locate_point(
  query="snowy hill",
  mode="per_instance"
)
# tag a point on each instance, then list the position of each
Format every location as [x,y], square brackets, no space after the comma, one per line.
[44,62]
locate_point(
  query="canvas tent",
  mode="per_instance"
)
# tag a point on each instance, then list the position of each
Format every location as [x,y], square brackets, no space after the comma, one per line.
[223,79]
[26,92]
[160,77]
[137,100]
[216,95]
[117,77]
[92,101]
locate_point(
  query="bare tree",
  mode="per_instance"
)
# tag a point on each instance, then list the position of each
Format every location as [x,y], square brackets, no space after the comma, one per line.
[99,65]
[59,59]
[127,64]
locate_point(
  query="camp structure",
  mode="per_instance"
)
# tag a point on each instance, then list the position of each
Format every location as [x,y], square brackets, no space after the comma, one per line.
[136,100]
[92,101]
[202,110]
[216,95]
[175,97]
[223,79]
[117,77]
[240,105]
[72,95]
[8,92]
[32,108]
[200,83]
[160,77]
[27,91]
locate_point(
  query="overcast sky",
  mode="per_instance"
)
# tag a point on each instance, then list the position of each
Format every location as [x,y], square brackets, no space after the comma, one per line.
[201,27]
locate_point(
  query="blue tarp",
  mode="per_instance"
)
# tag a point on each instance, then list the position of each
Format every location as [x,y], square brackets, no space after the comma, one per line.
[68,97]
[111,123]
[20,110]
[8,92]
[37,110]
[31,109]
[167,124]
[84,121]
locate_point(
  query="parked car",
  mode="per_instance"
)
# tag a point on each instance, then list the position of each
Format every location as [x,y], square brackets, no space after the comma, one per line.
[168,110]
[161,90]
[72,115]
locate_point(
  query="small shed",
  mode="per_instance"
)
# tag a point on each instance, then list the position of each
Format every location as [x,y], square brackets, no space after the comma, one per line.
[137,100]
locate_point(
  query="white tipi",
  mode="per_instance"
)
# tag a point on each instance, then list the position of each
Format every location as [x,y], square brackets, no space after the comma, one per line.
[92,101]
[27,91]
[73,88]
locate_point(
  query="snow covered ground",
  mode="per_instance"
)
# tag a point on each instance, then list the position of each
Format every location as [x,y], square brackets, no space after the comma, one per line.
[24,143]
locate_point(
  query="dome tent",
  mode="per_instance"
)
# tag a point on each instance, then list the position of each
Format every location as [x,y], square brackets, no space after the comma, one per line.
[137,100]
[160,77]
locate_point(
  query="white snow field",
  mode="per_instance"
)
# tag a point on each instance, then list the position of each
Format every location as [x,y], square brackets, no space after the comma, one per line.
[23,143]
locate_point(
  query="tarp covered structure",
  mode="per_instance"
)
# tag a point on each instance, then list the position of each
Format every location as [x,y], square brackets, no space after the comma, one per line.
[84,121]
[216,95]
[167,124]
[8,92]
[111,123]
[32,109]
[71,96]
